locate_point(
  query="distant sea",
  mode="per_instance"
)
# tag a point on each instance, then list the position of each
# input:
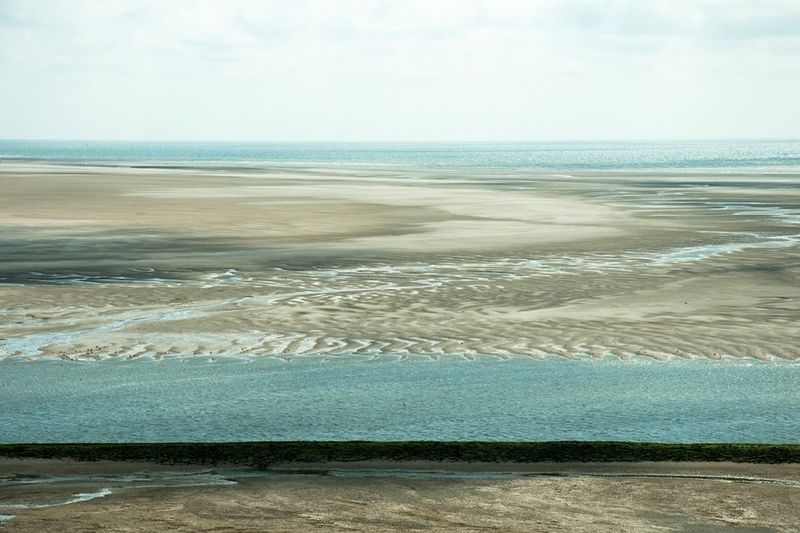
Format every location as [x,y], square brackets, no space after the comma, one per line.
[509,156]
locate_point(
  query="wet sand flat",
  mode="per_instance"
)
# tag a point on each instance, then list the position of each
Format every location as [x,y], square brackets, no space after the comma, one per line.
[406,496]
[114,262]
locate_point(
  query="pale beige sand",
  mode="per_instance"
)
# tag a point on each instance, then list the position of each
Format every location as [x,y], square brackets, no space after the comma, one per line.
[320,262]
[391,503]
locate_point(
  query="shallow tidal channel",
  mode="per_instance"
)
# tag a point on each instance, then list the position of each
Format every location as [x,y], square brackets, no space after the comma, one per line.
[352,398]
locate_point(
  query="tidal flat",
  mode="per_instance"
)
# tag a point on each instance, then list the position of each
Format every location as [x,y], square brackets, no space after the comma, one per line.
[126,263]
[53,495]
[203,304]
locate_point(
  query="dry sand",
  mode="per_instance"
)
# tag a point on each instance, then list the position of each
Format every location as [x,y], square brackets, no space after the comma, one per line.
[701,497]
[116,262]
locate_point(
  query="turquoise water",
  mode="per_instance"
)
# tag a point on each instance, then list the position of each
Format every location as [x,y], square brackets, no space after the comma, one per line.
[622,155]
[351,398]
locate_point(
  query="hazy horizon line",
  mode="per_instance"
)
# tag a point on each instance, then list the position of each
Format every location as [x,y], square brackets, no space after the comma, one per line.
[399,141]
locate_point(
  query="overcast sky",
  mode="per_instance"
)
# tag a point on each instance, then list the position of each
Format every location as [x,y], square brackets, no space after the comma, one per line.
[399,70]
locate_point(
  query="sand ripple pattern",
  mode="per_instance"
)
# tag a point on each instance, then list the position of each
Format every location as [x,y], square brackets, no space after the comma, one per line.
[733,296]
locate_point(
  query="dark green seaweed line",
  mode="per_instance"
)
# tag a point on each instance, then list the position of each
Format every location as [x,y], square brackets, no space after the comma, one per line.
[264,454]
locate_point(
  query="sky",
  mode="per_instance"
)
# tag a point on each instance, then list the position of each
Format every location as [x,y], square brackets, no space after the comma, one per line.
[393,70]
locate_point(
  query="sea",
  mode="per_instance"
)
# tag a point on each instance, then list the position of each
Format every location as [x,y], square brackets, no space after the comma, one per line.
[361,398]
[772,154]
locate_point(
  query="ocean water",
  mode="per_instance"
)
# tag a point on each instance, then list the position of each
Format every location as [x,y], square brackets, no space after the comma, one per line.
[577,155]
[358,398]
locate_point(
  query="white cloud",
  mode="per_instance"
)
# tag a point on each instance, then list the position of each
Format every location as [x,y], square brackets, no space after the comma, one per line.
[399,70]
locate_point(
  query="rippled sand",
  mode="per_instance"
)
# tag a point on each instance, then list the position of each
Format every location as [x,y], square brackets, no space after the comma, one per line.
[64,496]
[108,262]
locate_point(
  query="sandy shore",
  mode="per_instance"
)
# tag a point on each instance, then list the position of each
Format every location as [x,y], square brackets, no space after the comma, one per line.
[381,496]
[111,262]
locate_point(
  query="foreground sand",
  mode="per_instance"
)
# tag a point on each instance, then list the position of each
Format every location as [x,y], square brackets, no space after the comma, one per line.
[378,497]
[111,262]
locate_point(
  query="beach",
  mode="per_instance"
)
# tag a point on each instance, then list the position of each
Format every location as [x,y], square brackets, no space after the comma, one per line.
[112,262]
[387,496]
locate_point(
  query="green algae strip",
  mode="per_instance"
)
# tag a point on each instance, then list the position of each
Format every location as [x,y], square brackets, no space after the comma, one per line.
[264,454]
